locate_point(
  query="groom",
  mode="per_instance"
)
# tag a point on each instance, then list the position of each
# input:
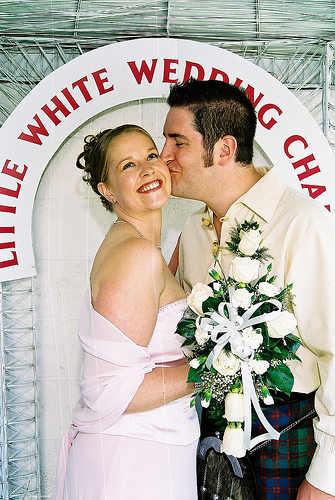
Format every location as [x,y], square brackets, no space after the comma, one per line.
[209,132]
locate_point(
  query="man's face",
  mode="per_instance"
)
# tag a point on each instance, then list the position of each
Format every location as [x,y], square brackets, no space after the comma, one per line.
[184,153]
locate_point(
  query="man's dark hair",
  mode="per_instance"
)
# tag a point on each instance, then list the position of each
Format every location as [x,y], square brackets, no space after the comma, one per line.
[219,109]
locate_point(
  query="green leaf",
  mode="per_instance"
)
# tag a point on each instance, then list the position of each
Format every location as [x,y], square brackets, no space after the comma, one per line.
[293,342]
[202,359]
[186,328]
[268,380]
[194,375]
[211,303]
[282,378]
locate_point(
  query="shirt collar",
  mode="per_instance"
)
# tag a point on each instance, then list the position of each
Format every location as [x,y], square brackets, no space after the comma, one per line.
[271,188]
[270,185]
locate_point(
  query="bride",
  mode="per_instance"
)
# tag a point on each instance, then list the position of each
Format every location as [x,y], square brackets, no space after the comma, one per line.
[133,433]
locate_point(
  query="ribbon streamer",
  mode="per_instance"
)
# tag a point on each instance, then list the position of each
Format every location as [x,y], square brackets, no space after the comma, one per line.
[250,396]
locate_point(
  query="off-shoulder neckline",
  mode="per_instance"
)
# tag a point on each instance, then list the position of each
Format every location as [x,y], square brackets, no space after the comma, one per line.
[171,304]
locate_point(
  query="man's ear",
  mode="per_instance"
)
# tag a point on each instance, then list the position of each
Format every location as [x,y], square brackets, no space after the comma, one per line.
[105,192]
[226,149]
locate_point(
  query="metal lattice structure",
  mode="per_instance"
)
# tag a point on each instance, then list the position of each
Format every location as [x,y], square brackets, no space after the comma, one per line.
[293,41]
[19,447]
[308,71]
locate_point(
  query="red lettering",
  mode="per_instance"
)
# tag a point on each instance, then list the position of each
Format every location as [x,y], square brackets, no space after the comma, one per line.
[168,70]
[51,113]
[304,163]
[5,208]
[250,91]
[271,122]
[101,81]
[327,207]
[13,171]
[188,70]
[8,263]
[291,140]
[82,87]
[7,230]
[70,99]
[144,70]
[11,192]
[8,244]
[35,132]
[314,190]
[238,82]
[216,72]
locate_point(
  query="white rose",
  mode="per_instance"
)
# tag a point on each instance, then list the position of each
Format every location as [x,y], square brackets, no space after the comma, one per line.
[205,403]
[226,363]
[194,363]
[201,336]
[268,289]
[232,442]
[252,337]
[234,407]
[198,295]
[244,269]
[282,325]
[241,298]
[259,366]
[268,400]
[249,241]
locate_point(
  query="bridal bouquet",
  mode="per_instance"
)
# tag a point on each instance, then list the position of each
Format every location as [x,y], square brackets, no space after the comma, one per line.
[238,333]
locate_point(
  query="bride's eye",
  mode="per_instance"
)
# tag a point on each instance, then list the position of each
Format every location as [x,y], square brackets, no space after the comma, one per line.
[152,155]
[127,165]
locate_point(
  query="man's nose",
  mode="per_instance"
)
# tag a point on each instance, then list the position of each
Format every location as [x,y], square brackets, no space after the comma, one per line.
[166,154]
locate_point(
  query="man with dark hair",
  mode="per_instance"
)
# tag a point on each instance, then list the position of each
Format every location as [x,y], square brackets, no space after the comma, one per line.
[209,133]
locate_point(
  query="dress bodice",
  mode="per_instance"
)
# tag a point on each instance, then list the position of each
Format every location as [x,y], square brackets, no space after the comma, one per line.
[113,369]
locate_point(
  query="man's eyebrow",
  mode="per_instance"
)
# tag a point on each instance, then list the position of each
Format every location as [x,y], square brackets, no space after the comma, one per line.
[180,136]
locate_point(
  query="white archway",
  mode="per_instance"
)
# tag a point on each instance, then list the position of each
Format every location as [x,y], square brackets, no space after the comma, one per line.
[140,69]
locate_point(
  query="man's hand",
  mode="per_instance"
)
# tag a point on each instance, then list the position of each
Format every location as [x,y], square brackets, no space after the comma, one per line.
[309,492]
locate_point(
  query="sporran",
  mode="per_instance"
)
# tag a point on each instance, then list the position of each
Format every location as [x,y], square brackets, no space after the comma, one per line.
[223,477]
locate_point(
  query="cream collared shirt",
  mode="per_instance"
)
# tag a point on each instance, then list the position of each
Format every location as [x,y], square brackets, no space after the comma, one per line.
[300,235]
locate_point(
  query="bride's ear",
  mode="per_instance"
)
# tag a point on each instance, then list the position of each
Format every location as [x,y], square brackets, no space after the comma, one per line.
[106,193]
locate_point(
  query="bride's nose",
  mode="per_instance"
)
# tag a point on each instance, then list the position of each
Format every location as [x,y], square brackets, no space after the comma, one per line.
[147,169]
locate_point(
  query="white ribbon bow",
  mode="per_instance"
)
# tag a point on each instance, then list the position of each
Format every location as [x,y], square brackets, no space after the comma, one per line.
[217,323]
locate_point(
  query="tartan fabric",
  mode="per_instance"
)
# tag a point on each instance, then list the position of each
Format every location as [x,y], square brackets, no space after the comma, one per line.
[280,466]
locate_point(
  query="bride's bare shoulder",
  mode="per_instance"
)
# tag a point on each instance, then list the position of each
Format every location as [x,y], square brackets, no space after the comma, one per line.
[131,266]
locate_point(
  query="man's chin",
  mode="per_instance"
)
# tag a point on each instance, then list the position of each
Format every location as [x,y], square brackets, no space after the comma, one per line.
[179,194]
[179,190]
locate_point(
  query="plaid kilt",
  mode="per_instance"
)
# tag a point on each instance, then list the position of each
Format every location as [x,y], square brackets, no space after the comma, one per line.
[280,466]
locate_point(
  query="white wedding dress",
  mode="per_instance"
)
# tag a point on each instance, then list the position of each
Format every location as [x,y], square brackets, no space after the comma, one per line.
[110,455]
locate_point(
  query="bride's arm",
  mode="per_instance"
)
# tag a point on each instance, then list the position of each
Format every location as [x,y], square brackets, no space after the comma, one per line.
[129,297]
[160,387]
